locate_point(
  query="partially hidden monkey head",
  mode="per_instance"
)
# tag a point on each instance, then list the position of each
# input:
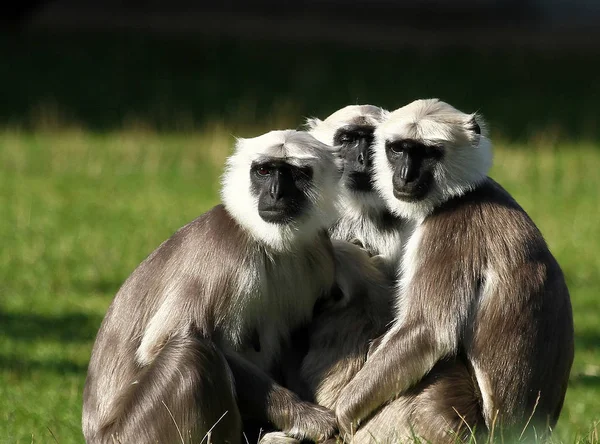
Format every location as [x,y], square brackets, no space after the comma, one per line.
[351,130]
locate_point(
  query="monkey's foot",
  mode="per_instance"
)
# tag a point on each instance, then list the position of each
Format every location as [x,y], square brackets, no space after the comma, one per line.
[278,438]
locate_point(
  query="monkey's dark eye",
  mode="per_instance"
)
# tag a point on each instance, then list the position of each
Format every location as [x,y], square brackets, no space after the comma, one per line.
[263,171]
[397,147]
[401,146]
[347,138]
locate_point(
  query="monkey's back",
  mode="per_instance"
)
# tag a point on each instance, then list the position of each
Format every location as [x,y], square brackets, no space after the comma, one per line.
[148,304]
[520,342]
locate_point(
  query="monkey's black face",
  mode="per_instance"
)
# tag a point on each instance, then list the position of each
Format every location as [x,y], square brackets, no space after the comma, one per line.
[412,164]
[356,141]
[282,190]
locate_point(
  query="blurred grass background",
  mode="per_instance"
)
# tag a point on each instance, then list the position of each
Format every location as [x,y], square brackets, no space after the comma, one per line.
[108,144]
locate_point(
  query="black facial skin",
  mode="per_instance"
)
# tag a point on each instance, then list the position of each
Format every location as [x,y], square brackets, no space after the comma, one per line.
[412,163]
[281,189]
[356,143]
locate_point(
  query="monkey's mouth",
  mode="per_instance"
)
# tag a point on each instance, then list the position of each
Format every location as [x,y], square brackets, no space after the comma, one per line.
[413,191]
[409,196]
[275,217]
[280,214]
[358,181]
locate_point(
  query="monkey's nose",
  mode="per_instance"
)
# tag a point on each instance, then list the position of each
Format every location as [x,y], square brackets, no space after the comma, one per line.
[276,190]
[361,158]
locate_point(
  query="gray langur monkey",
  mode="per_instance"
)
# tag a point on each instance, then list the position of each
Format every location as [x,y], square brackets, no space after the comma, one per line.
[364,218]
[478,282]
[186,346]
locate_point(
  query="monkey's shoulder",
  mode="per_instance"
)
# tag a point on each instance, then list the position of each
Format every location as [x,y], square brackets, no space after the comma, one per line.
[488,203]
[487,221]
[215,233]
[211,247]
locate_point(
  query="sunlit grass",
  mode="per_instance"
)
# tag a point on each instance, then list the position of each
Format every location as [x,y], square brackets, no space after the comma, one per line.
[80,210]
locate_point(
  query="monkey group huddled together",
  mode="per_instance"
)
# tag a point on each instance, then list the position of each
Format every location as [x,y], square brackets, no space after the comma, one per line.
[363,280]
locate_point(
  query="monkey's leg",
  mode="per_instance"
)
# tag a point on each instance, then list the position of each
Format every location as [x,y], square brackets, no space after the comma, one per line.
[262,399]
[185,394]
[443,408]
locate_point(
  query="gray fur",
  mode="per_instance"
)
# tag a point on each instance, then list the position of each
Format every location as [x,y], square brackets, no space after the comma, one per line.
[478,283]
[177,349]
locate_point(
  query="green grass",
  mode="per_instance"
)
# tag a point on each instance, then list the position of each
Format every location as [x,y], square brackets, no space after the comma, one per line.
[80,210]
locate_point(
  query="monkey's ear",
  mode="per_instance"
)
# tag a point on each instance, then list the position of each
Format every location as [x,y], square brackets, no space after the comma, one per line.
[311,123]
[473,125]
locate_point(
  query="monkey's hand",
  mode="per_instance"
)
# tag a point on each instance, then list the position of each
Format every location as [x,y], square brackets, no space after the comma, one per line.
[346,417]
[353,406]
[312,422]
[277,438]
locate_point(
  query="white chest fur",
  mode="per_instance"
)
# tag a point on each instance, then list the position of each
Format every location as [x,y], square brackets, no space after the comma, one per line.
[278,296]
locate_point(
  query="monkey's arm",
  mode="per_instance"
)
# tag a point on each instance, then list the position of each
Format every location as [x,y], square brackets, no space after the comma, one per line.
[406,354]
[261,398]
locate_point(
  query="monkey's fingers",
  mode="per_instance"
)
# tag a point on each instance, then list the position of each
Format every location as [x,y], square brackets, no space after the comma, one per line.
[313,422]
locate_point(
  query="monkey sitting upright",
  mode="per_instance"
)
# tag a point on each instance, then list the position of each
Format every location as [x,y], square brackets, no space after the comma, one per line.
[340,335]
[186,344]
[478,281]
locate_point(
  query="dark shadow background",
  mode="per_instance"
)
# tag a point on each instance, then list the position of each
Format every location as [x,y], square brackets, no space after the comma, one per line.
[529,66]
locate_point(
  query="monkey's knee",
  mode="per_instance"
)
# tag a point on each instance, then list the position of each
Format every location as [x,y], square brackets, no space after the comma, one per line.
[389,425]
[442,408]
[184,395]
[447,408]
[209,388]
